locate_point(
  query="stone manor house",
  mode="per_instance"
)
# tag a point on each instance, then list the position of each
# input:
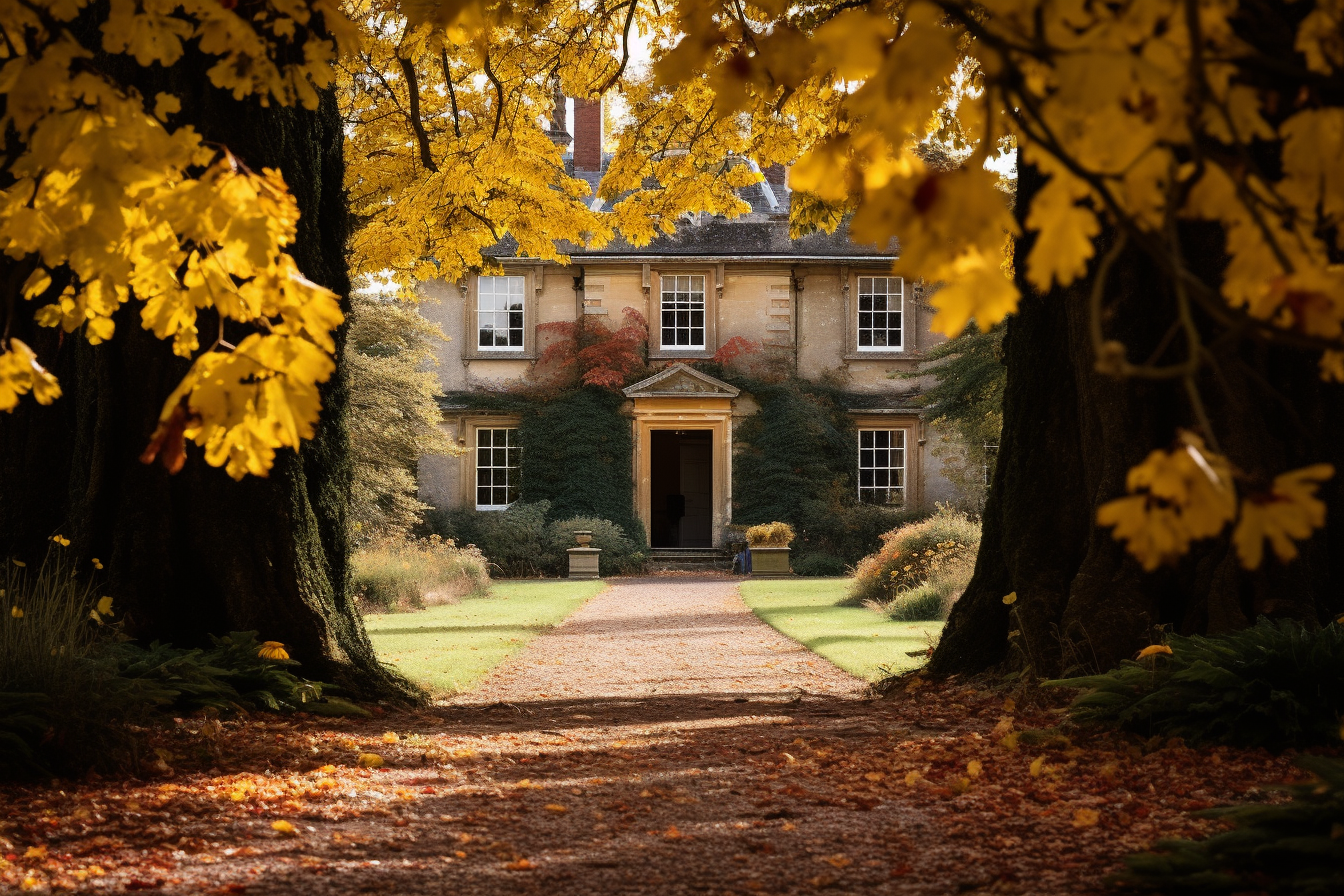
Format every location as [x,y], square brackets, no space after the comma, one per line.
[830,306]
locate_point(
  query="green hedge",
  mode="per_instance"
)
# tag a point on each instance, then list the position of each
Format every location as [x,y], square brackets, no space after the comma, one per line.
[797,463]
[522,541]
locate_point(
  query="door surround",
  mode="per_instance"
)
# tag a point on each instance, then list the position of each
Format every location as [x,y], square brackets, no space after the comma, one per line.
[681,397]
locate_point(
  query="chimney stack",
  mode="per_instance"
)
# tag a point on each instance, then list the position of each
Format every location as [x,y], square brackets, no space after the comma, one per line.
[587,135]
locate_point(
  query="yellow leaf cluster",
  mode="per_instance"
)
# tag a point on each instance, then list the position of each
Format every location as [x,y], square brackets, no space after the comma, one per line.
[107,204]
[1175,497]
[1180,496]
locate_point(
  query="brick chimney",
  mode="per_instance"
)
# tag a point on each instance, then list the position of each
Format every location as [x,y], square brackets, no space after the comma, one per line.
[587,135]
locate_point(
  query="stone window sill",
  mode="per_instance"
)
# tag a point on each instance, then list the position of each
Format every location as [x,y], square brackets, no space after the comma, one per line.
[499,356]
[882,356]
[683,355]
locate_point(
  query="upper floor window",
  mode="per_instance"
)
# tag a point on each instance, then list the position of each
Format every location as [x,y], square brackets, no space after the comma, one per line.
[683,311]
[882,466]
[499,313]
[881,301]
[497,459]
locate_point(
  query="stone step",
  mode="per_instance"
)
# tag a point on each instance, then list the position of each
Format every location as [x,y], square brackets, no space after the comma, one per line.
[689,558]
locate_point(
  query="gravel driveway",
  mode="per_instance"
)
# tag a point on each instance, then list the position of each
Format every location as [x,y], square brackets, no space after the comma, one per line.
[661,741]
[662,636]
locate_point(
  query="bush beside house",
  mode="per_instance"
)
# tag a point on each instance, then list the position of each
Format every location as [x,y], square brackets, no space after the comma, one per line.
[398,574]
[921,568]
[520,542]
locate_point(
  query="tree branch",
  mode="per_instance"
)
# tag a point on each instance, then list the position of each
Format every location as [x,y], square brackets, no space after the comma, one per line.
[418,126]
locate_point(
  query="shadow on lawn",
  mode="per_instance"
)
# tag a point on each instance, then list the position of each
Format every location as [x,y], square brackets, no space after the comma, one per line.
[430,629]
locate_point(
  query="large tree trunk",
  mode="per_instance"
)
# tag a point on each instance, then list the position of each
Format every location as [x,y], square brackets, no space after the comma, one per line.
[196,554]
[1071,434]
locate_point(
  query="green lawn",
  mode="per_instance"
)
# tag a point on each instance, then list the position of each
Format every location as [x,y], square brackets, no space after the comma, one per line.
[449,649]
[856,639]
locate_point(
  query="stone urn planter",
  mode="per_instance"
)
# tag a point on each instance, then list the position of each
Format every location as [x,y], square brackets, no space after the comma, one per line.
[583,560]
[769,562]
[769,545]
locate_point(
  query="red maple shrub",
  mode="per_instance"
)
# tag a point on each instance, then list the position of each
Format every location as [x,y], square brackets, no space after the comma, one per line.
[587,352]
[734,349]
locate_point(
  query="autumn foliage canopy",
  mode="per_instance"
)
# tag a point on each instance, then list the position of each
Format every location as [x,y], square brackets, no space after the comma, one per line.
[1140,116]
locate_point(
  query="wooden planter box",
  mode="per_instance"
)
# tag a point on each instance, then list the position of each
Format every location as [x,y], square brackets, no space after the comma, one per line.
[770,562]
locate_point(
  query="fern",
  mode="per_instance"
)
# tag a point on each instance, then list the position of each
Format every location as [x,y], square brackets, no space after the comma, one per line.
[1277,684]
[1290,849]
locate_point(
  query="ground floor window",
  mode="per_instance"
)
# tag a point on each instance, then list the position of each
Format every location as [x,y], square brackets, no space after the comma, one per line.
[497,457]
[882,466]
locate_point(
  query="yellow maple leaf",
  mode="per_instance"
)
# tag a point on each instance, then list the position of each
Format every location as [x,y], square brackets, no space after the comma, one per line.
[1065,231]
[1289,511]
[1176,497]
[20,374]
[1086,818]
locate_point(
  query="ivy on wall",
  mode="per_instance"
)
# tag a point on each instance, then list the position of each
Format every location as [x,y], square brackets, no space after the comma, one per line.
[796,461]
[578,454]
[577,451]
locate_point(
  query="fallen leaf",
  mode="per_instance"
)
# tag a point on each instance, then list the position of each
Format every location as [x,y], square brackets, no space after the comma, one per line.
[370,760]
[284,827]
[1086,818]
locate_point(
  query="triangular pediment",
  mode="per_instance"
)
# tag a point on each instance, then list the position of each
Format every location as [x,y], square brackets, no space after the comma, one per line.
[680,379]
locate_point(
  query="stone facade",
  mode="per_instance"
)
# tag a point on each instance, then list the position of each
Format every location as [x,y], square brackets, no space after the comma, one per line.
[797,298]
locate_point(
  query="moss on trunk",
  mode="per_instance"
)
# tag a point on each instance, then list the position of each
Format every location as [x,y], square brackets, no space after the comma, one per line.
[197,553]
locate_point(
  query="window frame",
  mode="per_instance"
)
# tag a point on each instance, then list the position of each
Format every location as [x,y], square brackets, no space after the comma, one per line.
[859,312]
[515,468]
[706,285]
[905,467]
[479,312]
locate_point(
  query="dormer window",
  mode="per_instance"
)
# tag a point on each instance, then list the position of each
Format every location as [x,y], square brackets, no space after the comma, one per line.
[499,314]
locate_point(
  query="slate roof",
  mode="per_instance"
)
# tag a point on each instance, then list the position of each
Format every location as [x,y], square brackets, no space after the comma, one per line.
[762,232]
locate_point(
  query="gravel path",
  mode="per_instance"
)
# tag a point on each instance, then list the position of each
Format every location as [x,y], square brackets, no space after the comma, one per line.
[662,636]
[661,741]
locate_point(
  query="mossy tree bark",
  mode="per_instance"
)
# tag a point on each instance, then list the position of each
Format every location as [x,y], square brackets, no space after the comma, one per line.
[1070,435]
[195,554]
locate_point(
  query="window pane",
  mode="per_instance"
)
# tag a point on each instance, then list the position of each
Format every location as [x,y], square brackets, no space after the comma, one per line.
[882,466]
[877,316]
[499,312]
[497,460]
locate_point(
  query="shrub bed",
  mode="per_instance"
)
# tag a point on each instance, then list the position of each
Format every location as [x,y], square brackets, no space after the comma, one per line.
[1276,684]
[402,574]
[921,568]
[519,542]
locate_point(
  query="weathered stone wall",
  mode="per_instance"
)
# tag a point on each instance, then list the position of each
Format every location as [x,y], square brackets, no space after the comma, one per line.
[802,311]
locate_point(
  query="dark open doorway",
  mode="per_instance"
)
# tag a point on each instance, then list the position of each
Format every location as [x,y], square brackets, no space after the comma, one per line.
[681,493]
